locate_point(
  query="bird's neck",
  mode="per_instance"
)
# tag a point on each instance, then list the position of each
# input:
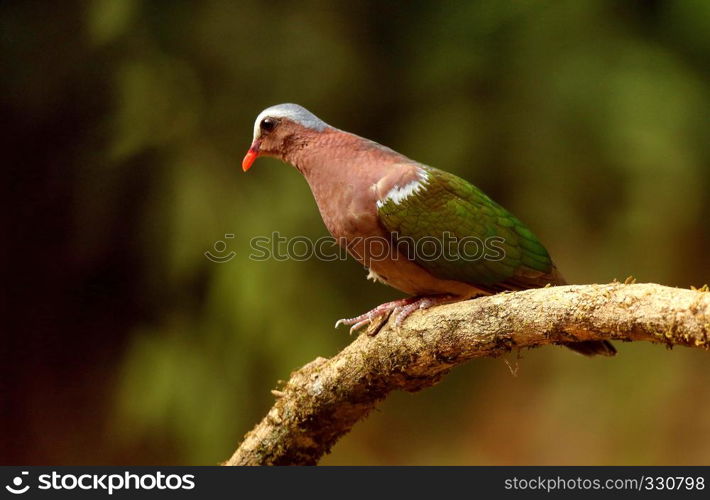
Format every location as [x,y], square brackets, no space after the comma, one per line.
[336,155]
[340,168]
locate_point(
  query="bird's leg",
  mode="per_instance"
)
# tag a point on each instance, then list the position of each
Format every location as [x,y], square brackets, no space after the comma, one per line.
[401,308]
[419,304]
[383,310]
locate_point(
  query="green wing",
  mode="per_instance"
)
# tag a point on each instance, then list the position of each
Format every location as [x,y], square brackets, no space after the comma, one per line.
[448,208]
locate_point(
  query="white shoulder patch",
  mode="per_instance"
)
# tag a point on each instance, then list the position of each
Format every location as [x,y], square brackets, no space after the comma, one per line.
[400,193]
[294,112]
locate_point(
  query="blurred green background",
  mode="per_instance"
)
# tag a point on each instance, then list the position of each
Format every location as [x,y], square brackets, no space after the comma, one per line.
[125,124]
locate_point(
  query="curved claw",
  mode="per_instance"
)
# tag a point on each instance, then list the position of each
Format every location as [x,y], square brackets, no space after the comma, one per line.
[401,309]
[359,325]
[357,322]
[353,321]
[378,312]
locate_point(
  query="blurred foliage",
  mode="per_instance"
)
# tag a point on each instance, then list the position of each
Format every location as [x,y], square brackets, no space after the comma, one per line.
[126,121]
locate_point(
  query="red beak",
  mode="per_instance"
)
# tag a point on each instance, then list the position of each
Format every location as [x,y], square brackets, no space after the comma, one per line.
[251,155]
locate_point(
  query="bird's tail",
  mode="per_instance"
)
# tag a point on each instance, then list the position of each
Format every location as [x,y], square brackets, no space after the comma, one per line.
[593,348]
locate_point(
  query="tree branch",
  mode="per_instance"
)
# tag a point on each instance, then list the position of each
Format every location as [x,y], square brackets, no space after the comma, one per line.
[325,398]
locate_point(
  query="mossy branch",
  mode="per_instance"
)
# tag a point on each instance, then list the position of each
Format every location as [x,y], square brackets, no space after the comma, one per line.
[325,398]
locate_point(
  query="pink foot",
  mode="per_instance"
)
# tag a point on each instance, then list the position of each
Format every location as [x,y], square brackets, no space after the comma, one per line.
[402,309]
[421,304]
[378,312]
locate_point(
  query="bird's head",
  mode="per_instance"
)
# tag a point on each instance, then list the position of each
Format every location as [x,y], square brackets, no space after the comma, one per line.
[278,128]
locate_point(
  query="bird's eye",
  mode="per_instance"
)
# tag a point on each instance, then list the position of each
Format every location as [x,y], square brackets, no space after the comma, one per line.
[267,124]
